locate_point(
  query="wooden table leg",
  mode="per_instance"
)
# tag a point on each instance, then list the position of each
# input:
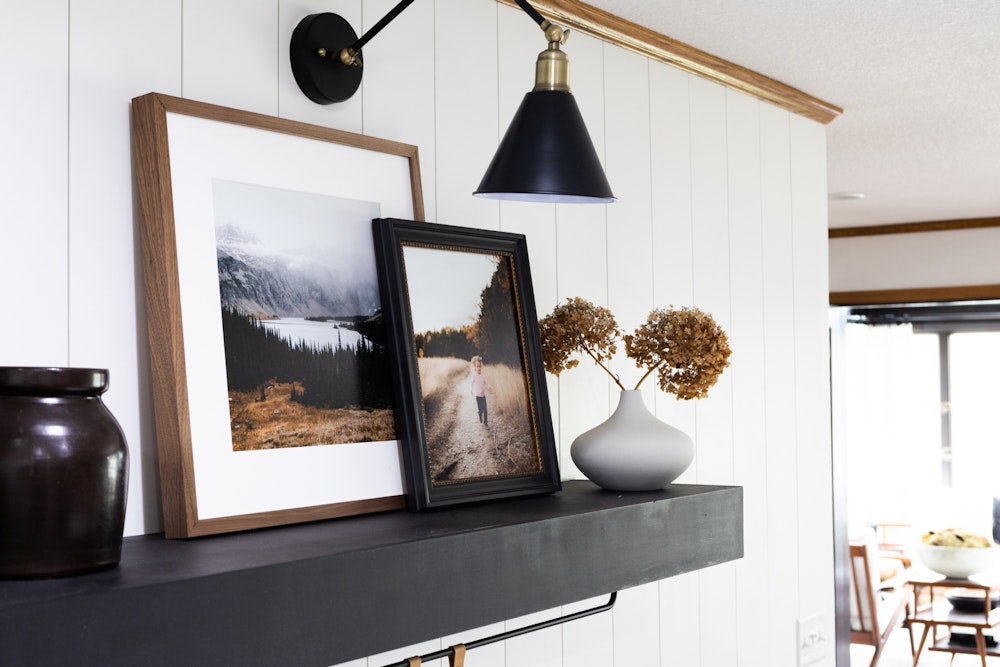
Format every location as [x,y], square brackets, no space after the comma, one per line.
[981,645]
[920,648]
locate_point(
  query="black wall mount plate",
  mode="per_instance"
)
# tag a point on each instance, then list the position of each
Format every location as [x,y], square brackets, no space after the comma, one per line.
[324,80]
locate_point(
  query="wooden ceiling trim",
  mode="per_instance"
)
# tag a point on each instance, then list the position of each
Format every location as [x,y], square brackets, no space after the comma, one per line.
[915,295]
[616,30]
[914,227]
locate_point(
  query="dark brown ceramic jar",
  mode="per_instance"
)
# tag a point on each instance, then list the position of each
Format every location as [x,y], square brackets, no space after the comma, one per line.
[63,473]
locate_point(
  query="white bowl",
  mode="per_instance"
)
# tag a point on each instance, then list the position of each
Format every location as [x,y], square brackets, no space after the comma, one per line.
[958,562]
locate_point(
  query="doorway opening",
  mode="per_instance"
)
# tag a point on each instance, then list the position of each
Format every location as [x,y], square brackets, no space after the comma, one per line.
[916,394]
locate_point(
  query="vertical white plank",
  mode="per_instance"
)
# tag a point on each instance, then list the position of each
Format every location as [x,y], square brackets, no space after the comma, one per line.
[33,171]
[637,622]
[812,372]
[630,231]
[710,252]
[627,138]
[782,601]
[399,85]
[710,268]
[542,648]
[230,52]
[581,239]
[670,175]
[584,391]
[670,167]
[710,245]
[747,340]
[673,285]
[680,621]
[292,102]
[110,63]
[589,641]
[537,223]
[465,67]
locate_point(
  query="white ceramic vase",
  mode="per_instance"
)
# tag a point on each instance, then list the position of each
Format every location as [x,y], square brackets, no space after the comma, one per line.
[632,450]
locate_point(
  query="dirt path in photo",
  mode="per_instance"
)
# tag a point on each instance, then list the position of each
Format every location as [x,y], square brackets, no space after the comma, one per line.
[459,446]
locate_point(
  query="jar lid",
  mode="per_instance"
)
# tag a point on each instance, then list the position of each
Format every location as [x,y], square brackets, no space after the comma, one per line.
[48,381]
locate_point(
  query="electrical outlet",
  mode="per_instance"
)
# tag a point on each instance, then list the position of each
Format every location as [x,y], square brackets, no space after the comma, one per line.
[812,639]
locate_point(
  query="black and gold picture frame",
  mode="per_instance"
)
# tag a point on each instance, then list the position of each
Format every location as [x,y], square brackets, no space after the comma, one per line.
[472,409]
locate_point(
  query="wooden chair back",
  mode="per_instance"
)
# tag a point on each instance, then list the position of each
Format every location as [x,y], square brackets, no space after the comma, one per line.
[867,600]
[864,618]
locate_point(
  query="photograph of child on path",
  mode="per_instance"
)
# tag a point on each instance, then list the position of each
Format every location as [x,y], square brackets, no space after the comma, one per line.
[478,385]
[467,341]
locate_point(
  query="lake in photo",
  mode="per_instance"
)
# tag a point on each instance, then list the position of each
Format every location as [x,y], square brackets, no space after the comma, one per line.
[315,333]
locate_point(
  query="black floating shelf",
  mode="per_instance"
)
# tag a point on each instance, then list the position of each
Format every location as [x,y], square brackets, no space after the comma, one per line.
[332,591]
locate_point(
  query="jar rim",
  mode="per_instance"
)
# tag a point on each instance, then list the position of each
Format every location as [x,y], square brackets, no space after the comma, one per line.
[41,380]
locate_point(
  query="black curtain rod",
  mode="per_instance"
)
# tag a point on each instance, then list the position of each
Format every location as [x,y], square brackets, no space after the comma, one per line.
[510,634]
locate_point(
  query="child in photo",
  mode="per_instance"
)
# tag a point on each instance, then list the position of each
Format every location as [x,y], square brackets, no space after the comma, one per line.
[478,385]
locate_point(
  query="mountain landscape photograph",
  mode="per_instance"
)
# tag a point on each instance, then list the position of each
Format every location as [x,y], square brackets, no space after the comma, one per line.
[306,362]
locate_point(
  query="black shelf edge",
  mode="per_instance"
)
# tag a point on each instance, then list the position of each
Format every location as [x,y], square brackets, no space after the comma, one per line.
[332,591]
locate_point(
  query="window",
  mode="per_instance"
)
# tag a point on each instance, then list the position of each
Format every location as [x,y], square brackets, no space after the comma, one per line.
[922,388]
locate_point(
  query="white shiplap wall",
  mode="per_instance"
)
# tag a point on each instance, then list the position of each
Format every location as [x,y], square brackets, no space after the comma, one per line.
[721,206]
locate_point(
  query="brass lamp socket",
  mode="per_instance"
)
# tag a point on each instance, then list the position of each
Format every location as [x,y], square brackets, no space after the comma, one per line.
[552,69]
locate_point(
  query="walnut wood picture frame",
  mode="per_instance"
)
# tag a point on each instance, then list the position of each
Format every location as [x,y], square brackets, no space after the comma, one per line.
[471,400]
[201,171]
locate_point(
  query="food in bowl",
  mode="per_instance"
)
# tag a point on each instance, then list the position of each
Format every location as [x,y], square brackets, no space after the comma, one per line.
[957,553]
[955,537]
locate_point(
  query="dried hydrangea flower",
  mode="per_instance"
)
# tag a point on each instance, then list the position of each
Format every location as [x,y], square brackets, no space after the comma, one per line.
[685,347]
[578,326]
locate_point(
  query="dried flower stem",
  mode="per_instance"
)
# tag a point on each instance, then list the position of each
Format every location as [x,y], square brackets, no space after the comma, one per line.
[645,375]
[608,370]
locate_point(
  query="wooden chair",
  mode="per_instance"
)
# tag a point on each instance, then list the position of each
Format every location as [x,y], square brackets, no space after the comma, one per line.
[877,608]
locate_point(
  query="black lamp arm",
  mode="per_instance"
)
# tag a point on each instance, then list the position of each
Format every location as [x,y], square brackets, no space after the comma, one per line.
[349,55]
[377,28]
[530,11]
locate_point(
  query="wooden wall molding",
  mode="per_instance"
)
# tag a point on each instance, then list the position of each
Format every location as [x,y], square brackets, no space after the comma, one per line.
[915,295]
[915,227]
[616,30]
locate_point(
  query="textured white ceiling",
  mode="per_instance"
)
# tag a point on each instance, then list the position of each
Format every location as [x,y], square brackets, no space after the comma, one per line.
[919,82]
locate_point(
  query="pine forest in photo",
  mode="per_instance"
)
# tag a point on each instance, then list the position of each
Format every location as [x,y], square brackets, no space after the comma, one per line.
[305,344]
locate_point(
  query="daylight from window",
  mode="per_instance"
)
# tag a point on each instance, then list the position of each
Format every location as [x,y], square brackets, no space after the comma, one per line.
[901,469]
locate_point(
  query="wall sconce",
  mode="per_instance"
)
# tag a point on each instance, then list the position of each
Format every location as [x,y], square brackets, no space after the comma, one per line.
[546,154]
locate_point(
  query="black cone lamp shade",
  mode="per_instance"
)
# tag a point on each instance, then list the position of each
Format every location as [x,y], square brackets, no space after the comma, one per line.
[547,155]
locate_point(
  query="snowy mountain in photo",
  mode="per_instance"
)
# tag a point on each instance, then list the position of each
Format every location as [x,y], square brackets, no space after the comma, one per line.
[306,282]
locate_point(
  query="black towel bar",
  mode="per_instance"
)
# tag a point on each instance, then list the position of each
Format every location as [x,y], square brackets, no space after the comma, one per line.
[510,634]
